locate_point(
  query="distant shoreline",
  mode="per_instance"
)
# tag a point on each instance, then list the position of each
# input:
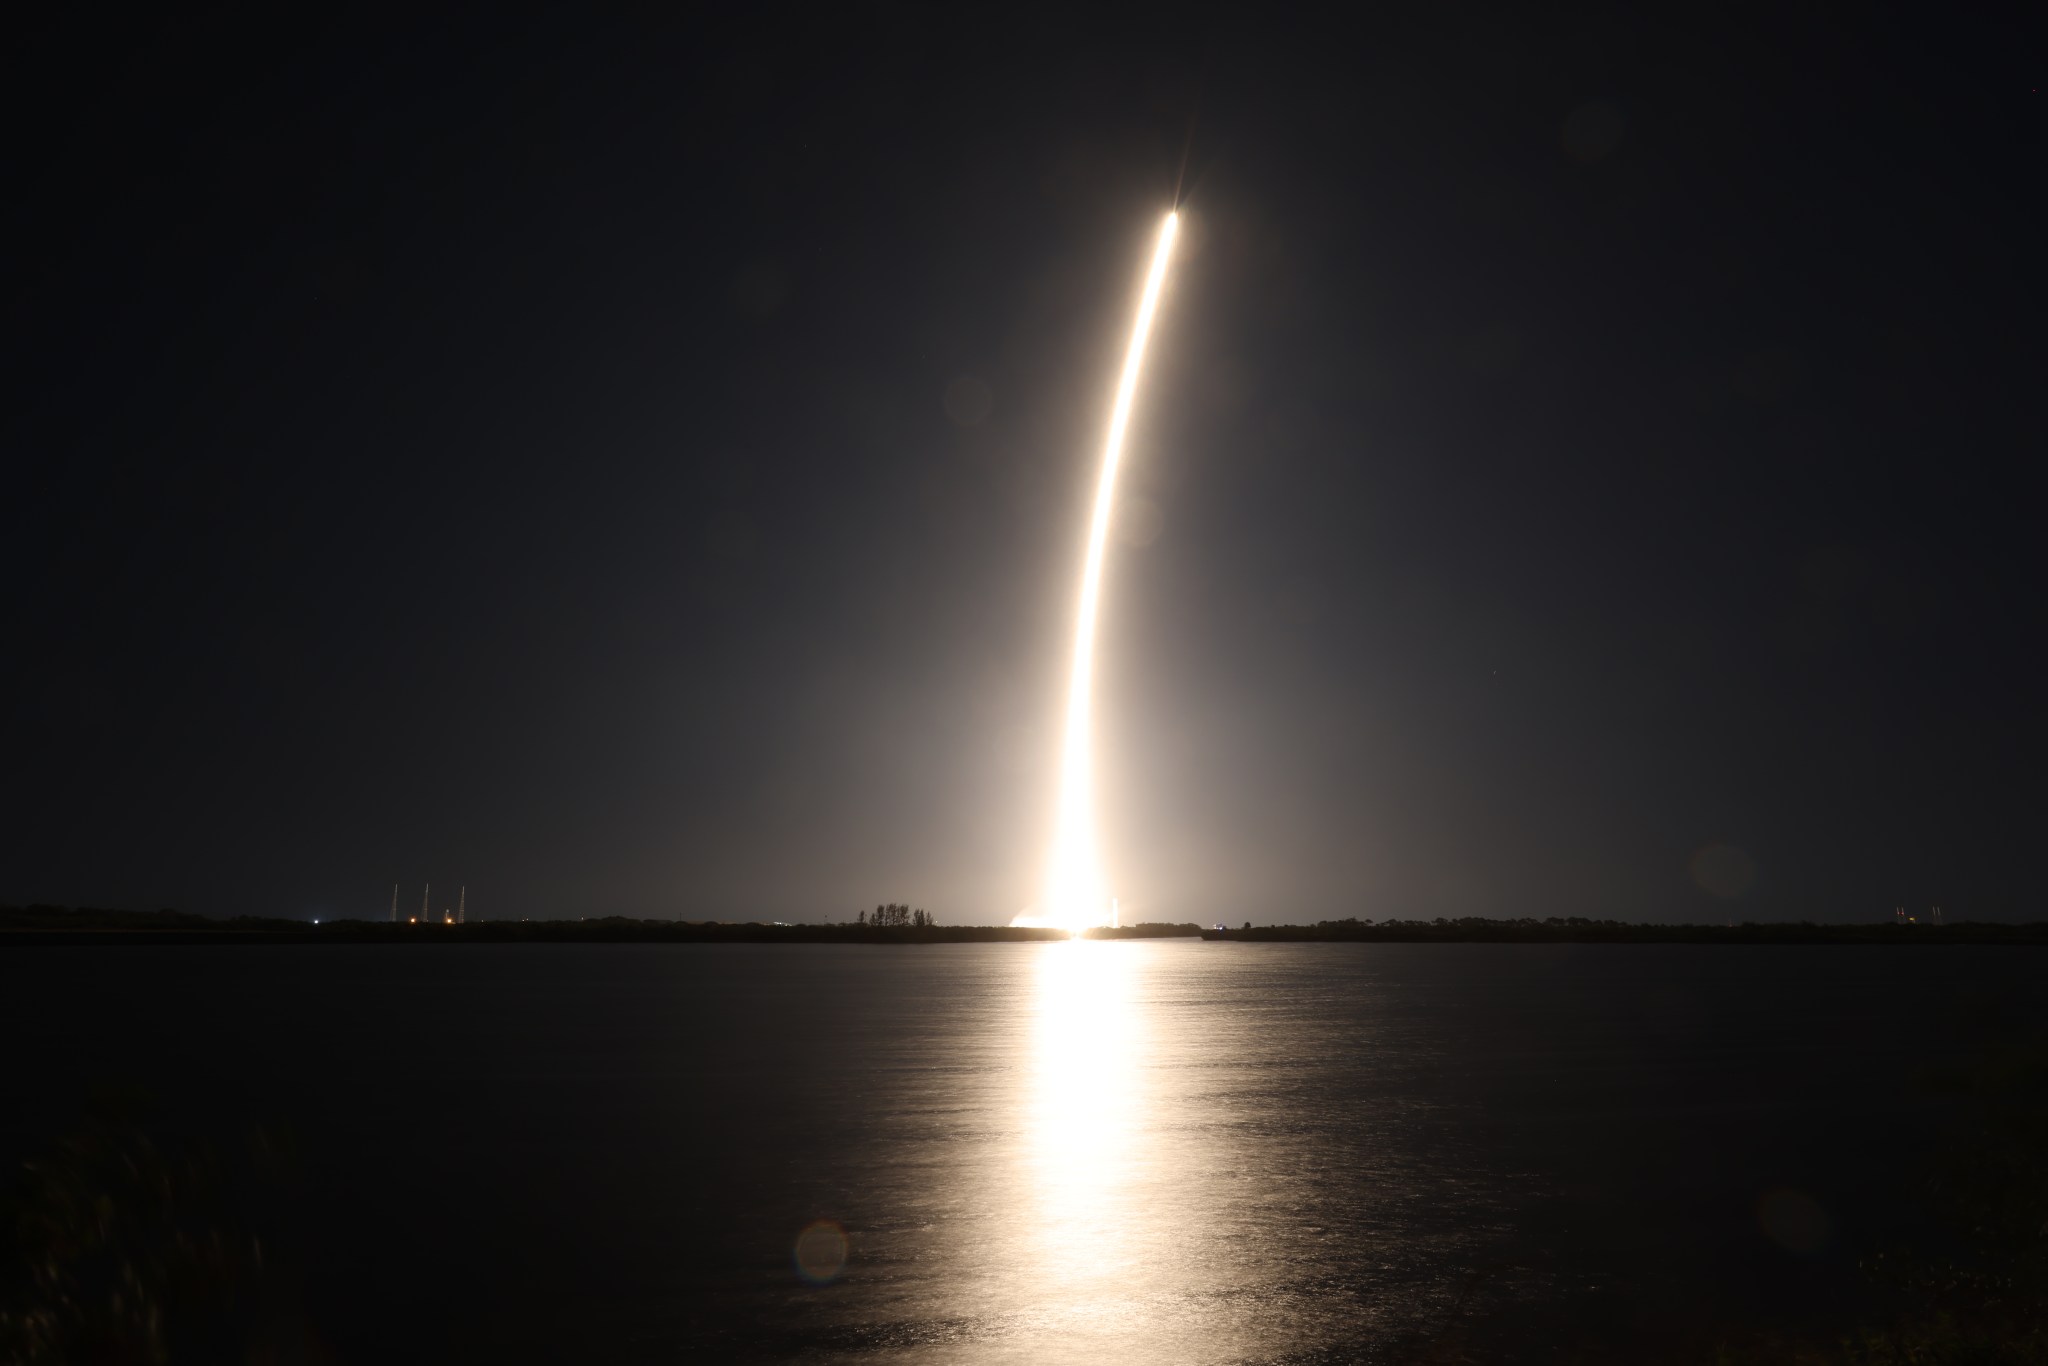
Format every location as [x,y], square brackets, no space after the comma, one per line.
[1582,931]
[58,926]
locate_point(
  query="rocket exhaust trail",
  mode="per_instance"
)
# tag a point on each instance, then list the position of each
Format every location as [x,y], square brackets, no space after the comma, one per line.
[1077,894]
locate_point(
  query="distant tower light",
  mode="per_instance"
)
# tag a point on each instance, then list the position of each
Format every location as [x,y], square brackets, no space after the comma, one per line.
[426,897]
[462,905]
[394,903]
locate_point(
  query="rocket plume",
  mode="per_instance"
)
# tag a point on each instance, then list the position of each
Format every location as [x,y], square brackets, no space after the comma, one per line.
[1077,892]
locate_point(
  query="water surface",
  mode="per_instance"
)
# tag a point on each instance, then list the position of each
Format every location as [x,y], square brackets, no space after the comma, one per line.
[1137,1151]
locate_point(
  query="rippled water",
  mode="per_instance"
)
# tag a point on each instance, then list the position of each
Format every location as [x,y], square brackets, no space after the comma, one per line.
[1134,1152]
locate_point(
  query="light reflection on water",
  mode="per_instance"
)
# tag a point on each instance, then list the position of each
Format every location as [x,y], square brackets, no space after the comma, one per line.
[1146,1160]
[1084,1119]
[1181,1152]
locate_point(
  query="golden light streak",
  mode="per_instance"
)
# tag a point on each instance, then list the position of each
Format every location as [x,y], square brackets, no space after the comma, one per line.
[1077,894]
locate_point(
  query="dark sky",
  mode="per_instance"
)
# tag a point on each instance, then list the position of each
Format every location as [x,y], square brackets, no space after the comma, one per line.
[1589,465]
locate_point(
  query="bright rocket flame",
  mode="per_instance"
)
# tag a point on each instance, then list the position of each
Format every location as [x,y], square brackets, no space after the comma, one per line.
[1077,893]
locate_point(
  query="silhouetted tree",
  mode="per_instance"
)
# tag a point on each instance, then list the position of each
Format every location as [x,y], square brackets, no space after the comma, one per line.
[127,1248]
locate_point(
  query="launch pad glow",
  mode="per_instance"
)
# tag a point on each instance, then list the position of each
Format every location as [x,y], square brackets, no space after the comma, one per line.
[1077,891]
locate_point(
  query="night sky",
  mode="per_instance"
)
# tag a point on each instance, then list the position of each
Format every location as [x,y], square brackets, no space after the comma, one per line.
[1589,464]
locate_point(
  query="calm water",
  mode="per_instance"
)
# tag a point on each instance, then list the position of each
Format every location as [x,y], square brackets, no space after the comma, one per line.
[1140,1152]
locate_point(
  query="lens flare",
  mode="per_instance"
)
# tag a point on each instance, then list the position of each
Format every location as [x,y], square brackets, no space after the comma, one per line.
[1077,892]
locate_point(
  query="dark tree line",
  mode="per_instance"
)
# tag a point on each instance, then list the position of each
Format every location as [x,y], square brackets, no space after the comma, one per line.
[895,917]
[1581,930]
